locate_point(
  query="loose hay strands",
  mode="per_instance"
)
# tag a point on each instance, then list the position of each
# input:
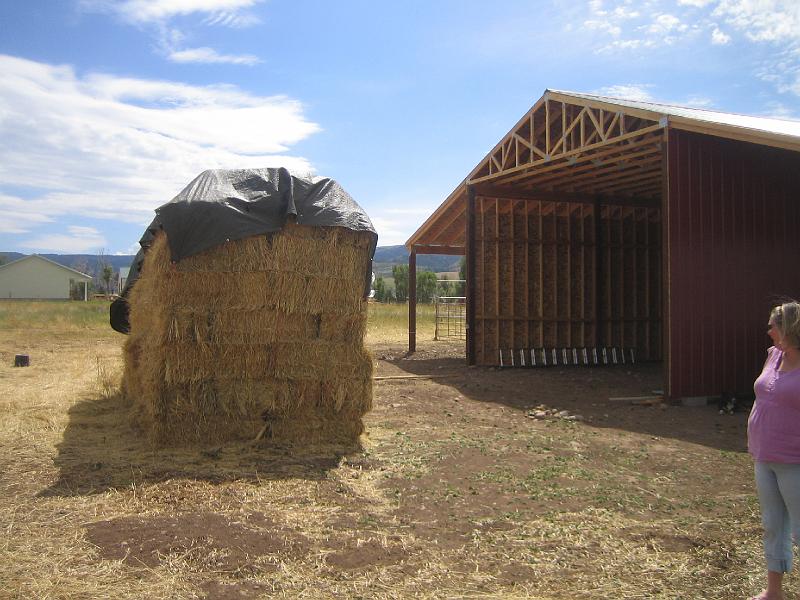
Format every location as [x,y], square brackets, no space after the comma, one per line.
[265,328]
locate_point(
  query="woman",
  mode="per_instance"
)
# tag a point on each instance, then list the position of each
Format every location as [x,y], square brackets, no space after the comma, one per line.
[773,436]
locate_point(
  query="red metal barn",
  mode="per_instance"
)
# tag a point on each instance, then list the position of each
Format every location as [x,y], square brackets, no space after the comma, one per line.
[605,223]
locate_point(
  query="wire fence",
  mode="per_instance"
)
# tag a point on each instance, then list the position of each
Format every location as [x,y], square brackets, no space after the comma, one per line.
[451,313]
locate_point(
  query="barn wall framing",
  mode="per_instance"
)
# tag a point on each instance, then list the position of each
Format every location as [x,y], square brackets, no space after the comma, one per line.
[549,274]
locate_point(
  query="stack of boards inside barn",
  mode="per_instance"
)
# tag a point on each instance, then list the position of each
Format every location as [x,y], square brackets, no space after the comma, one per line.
[246,313]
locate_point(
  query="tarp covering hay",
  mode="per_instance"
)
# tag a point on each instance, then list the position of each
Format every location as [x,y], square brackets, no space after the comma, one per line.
[259,334]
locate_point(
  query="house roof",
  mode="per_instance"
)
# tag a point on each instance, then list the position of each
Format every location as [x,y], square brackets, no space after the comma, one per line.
[47,260]
[573,147]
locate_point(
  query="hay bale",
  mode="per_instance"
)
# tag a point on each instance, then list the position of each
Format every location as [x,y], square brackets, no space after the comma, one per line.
[256,330]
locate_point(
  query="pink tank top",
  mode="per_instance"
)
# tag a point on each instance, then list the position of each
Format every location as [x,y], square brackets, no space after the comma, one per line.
[773,429]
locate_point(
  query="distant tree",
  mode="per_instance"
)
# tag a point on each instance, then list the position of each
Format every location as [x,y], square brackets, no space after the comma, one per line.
[400,275]
[446,287]
[426,286]
[380,290]
[104,271]
[462,274]
[106,275]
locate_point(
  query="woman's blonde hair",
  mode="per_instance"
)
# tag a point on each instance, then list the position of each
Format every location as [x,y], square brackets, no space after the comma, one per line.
[786,318]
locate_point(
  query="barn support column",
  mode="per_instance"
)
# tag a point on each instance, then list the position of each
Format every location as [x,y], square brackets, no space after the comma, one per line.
[666,319]
[412,301]
[469,292]
[599,333]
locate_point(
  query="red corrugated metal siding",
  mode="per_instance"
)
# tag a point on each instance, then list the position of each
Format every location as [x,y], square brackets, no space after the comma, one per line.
[734,245]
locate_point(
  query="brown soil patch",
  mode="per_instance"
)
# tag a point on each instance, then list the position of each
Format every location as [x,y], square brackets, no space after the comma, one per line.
[362,555]
[228,545]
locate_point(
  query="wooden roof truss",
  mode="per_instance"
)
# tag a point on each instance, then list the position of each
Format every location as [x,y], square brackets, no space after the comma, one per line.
[568,146]
[564,149]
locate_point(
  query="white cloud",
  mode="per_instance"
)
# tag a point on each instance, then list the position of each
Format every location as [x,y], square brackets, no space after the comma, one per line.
[19,216]
[774,23]
[603,25]
[393,231]
[629,91]
[642,92]
[634,25]
[396,225]
[225,12]
[209,55]
[629,44]
[115,148]
[783,72]
[620,28]
[624,13]
[763,20]
[233,20]
[664,24]
[780,111]
[596,6]
[157,15]
[79,240]
[699,102]
[719,38]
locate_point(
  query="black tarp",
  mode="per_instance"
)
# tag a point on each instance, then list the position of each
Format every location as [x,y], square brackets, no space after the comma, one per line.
[223,205]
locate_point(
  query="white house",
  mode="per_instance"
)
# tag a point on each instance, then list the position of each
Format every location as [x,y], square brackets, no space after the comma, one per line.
[36,277]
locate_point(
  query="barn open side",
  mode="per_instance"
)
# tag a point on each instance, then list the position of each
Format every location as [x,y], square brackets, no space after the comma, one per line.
[599,222]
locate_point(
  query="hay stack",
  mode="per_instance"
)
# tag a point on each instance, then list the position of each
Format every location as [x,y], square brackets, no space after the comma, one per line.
[264,330]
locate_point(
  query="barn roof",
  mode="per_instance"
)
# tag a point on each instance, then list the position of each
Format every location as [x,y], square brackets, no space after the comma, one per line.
[52,262]
[572,146]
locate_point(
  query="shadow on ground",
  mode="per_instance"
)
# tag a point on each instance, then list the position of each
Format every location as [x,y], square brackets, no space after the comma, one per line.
[100,450]
[578,390]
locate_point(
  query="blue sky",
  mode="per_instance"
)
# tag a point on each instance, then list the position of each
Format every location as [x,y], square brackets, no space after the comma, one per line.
[108,109]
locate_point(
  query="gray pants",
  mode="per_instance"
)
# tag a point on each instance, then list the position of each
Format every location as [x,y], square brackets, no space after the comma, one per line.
[778,487]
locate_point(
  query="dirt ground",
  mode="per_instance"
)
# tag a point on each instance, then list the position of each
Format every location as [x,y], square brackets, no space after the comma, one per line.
[458,491]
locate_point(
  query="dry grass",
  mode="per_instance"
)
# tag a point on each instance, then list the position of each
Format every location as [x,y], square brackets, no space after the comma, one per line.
[389,322]
[452,497]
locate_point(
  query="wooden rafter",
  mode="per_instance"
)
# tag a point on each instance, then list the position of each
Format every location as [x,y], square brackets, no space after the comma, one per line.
[550,131]
[609,143]
[611,184]
[563,168]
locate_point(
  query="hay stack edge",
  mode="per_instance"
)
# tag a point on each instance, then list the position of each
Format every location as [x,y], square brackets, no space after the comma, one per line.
[246,313]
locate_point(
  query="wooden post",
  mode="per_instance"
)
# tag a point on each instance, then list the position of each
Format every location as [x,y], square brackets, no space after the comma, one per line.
[469,242]
[599,334]
[666,307]
[412,301]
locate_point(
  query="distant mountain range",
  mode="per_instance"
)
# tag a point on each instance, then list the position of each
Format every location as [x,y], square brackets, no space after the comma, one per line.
[388,256]
[385,258]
